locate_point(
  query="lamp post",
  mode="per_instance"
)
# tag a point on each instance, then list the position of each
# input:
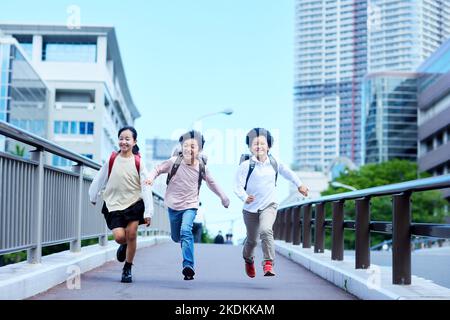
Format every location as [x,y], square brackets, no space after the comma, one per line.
[227,111]
[341,185]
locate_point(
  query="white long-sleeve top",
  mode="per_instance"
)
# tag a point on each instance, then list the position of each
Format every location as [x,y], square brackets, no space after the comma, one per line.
[261,183]
[111,189]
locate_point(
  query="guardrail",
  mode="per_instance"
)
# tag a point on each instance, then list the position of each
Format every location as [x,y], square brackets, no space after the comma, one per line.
[295,222]
[41,205]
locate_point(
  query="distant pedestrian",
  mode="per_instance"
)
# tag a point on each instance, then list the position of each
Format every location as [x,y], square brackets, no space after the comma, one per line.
[219,238]
[255,185]
[128,202]
[185,174]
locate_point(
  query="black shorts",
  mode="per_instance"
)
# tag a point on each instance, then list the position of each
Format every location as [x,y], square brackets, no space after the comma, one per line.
[121,218]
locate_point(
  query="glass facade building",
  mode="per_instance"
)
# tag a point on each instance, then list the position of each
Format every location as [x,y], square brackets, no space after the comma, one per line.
[390,117]
[434,113]
[24,96]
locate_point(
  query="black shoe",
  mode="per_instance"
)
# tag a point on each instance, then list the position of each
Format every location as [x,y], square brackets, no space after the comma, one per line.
[188,273]
[126,275]
[122,252]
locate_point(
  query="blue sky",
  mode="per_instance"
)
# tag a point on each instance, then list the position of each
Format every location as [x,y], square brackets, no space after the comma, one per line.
[184,59]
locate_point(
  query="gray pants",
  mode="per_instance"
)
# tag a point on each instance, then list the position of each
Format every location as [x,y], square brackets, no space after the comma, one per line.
[260,224]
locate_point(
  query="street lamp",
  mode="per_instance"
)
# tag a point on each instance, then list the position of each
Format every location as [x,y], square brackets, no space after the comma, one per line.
[227,111]
[341,185]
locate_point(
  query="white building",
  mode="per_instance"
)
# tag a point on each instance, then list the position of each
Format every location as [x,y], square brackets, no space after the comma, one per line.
[90,99]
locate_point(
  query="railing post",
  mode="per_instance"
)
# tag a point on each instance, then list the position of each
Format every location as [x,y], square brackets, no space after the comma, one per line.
[288,230]
[362,226]
[401,239]
[34,254]
[319,228]
[75,245]
[337,247]
[307,226]
[296,226]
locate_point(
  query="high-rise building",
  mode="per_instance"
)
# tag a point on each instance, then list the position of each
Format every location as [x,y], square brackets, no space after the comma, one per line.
[330,63]
[337,43]
[89,95]
[402,34]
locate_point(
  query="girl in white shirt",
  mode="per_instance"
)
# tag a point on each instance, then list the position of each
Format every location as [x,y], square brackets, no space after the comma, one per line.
[255,185]
[127,199]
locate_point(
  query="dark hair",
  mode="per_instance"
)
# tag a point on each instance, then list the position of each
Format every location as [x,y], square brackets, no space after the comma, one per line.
[134,133]
[193,135]
[257,132]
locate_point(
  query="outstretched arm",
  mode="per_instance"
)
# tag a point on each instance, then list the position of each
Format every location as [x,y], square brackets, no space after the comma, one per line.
[163,167]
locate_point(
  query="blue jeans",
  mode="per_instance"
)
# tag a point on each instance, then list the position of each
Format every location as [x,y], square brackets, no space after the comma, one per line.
[181,222]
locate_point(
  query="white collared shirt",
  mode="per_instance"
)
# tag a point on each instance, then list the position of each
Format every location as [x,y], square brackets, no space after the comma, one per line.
[261,183]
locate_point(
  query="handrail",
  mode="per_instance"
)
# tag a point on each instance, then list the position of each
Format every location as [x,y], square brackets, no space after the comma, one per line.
[31,193]
[42,144]
[293,226]
[425,184]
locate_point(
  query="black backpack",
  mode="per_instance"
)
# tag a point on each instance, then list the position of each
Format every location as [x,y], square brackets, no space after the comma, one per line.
[176,165]
[247,156]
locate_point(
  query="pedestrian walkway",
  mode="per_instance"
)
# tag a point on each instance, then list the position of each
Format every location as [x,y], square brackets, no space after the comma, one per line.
[220,276]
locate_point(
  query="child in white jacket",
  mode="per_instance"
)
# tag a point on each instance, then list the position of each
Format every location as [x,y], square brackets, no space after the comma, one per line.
[255,185]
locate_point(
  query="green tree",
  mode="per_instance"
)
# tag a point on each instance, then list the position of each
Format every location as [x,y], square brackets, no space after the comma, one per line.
[427,206]
[19,151]
[206,238]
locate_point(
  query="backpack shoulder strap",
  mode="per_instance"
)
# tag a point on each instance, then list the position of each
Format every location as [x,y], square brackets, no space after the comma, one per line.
[250,170]
[112,158]
[175,167]
[137,162]
[274,164]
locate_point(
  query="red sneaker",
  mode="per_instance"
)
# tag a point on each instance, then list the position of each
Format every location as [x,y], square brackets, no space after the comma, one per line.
[268,268]
[250,269]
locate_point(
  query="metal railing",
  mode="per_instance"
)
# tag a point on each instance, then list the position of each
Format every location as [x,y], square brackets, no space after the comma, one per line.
[294,224]
[41,205]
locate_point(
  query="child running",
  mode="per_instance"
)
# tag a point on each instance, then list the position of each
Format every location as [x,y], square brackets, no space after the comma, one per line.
[255,185]
[128,202]
[185,174]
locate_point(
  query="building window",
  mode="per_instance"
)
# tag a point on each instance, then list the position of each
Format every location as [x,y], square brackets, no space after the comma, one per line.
[69,52]
[58,161]
[73,127]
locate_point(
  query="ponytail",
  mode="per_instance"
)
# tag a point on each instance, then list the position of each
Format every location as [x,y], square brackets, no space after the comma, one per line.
[135,149]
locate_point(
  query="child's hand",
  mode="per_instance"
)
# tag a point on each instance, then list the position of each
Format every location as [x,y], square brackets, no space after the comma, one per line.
[226,202]
[148,182]
[250,199]
[303,190]
[148,221]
